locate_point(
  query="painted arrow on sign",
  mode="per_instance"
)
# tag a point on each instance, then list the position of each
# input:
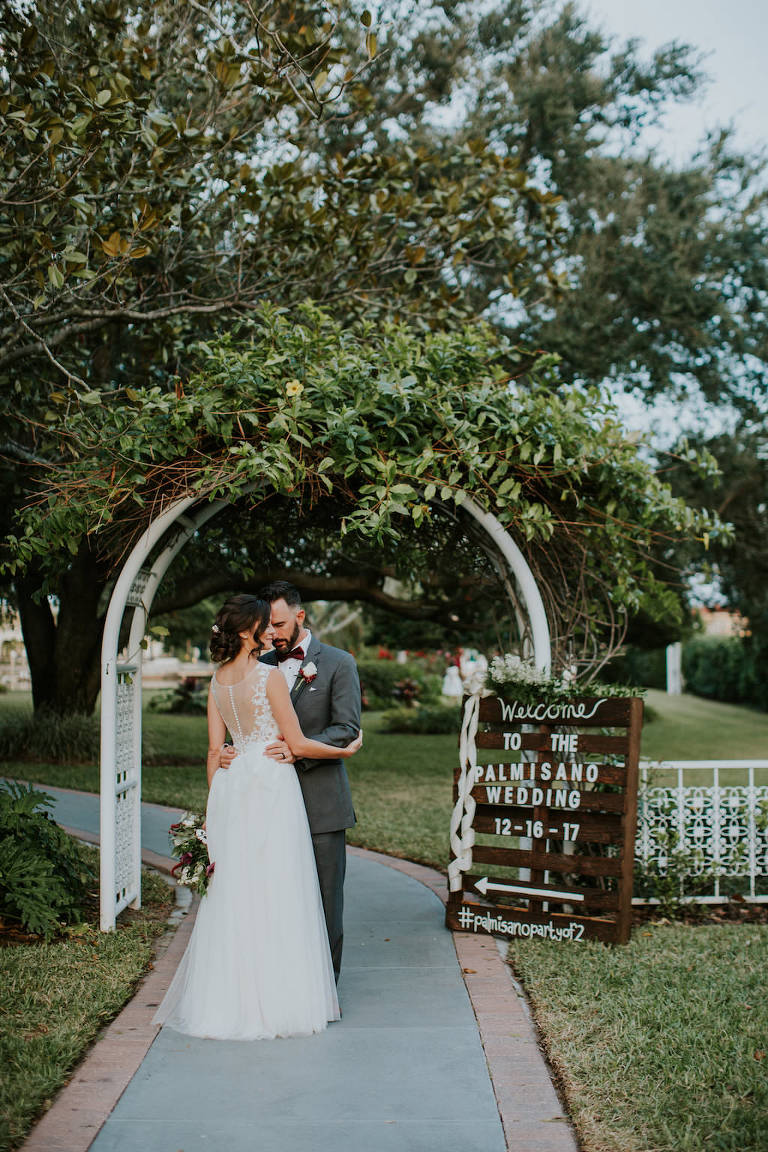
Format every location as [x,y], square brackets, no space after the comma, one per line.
[485,885]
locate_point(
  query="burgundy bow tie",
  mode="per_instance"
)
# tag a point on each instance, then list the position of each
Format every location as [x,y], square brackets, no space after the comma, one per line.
[294,654]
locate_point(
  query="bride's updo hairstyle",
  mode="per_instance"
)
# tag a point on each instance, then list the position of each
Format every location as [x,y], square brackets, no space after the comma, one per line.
[241,613]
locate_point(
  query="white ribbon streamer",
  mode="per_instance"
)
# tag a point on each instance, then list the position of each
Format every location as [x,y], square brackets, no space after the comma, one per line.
[462,834]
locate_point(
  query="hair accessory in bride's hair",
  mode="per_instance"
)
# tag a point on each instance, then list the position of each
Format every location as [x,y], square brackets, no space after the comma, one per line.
[215,628]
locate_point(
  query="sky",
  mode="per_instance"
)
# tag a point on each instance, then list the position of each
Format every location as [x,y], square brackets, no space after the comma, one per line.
[733,34]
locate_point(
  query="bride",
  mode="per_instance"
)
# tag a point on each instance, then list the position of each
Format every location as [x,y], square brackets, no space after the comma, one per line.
[258,963]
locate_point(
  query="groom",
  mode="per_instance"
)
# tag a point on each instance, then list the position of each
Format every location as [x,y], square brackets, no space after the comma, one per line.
[325,691]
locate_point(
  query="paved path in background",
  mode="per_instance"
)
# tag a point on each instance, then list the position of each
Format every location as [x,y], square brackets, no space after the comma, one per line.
[79,811]
[433,1053]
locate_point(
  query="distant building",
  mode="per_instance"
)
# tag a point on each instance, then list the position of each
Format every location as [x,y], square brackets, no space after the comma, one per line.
[722,621]
[14,668]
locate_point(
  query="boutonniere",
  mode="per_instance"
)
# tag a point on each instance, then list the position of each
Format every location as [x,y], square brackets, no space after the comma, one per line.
[307,675]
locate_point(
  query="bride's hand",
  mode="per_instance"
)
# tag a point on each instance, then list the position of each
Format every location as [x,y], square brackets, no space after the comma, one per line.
[279,750]
[355,746]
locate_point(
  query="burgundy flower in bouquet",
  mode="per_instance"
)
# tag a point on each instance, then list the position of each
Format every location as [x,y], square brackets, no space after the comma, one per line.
[194,868]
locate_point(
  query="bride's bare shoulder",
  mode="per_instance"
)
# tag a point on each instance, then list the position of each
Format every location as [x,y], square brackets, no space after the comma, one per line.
[231,674]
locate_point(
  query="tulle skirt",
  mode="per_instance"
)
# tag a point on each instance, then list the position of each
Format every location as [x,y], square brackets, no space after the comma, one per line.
[258,963]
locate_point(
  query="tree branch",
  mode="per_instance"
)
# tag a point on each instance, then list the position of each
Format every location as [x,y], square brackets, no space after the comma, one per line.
[312,587]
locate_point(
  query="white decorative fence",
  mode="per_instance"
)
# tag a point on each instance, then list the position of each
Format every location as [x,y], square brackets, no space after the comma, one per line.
[704,830]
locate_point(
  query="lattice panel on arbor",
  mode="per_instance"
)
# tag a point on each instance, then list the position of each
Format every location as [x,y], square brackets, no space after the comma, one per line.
[127,794]
[136,591]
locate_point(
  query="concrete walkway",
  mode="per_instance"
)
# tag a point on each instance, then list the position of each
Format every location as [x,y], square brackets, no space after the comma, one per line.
[435,1050]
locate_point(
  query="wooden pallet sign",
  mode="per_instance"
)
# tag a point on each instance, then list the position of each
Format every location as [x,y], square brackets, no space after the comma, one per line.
[544,819]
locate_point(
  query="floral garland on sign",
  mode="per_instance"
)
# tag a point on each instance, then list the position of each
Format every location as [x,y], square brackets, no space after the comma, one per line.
[513,678]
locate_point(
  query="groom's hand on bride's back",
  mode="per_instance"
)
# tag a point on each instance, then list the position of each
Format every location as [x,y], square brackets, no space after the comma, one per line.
[278,750]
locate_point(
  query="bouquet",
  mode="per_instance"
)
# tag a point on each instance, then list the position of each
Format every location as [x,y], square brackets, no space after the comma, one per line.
[190,847]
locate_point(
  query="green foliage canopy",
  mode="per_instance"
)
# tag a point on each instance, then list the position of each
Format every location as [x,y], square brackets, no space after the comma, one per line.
[383,421]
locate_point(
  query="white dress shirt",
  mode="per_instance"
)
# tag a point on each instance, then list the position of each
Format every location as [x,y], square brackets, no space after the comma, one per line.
[290,668]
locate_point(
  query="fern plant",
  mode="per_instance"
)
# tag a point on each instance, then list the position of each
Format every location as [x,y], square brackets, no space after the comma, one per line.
[43,876]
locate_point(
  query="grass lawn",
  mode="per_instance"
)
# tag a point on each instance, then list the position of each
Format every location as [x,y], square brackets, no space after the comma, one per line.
[689,727]
[56,997]
[402,784]
[661,1045]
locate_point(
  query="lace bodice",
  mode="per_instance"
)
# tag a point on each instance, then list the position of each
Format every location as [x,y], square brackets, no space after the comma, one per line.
[245,709]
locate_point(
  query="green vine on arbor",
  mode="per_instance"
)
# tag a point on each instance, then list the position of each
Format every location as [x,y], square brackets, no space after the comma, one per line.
[387,422]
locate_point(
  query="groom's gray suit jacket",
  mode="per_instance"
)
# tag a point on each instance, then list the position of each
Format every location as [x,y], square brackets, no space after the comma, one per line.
[328,709]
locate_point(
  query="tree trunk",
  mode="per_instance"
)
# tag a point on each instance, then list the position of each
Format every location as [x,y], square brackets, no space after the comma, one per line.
[63,653]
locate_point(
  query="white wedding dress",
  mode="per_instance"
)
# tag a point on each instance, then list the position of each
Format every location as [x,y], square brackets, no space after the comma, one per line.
[258,963]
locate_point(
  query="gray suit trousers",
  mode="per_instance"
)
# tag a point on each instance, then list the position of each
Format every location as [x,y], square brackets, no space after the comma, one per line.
[331,859]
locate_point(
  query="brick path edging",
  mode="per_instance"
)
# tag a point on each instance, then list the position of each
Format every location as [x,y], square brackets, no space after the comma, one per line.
[531,1113]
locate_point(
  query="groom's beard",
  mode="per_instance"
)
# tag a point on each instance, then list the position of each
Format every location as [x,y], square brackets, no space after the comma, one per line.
[281,645]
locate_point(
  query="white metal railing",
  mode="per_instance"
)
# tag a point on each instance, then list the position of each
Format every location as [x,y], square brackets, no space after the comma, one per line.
[704,831]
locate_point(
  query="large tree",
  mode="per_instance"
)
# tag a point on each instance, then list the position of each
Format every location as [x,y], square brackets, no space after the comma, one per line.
[157,187]
[737,566]
[159,171]
[662,271]
[168,167]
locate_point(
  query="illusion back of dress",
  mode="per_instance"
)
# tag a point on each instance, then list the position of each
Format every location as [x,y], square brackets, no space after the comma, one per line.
[245,709]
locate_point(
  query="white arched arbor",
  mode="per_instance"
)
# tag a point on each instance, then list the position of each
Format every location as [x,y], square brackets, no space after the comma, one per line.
[121,679]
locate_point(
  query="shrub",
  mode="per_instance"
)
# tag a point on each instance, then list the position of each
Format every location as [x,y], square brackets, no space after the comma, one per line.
[49,737]
[717,668]
[432,720]
[43,876]
[188,698]
[647,667]
[682,874]
[379,680]
[407,690]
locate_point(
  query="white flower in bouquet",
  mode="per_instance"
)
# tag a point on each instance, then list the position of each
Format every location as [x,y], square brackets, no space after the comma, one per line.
[190,847]
[510,669]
